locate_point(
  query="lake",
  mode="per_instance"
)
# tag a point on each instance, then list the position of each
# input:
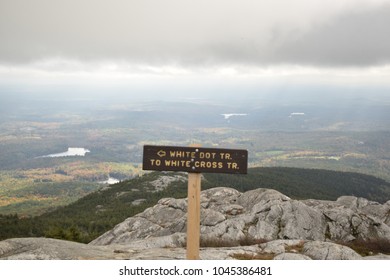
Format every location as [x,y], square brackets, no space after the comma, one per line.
[71,152]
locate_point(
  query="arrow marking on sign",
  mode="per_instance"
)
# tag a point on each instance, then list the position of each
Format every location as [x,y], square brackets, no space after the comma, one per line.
[161,153]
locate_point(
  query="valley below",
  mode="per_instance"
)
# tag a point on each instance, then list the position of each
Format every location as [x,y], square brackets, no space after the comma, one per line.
[55,151]
[72,169]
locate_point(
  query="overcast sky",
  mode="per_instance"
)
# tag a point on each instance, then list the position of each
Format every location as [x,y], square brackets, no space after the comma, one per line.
[52,42]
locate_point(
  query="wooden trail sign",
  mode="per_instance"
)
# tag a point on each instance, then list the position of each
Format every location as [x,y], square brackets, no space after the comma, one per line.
[194,160]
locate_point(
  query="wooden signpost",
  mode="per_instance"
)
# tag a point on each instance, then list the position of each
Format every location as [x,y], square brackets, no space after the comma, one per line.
[194,160]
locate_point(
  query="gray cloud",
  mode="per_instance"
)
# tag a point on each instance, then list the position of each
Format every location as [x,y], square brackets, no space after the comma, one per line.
[355,39]
[196,32]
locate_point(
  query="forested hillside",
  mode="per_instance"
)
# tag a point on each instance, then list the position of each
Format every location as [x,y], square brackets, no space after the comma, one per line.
[302,183]
[98,212]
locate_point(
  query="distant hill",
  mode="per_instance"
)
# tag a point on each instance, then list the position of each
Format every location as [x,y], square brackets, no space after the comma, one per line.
[301,183]
[98,212]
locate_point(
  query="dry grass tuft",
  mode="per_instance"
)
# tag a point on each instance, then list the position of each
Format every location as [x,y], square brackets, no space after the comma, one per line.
[297,248]
[215,242]
[258,256]
[368,247]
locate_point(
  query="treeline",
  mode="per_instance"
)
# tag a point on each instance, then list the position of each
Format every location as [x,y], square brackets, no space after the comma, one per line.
[93,214]
[100,211]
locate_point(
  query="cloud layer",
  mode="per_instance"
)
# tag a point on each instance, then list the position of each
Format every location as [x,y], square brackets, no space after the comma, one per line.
[187,33]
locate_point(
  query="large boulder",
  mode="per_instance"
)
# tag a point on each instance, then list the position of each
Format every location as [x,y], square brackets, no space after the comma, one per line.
[229,217]
[375,210]
[329,251]
[346,221]
[50,249]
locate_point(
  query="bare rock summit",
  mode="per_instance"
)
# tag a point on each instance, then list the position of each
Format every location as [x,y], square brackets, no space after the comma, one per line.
[258,224]
[230,216]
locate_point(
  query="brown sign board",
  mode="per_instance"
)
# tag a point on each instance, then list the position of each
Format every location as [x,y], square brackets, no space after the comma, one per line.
[195,160]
